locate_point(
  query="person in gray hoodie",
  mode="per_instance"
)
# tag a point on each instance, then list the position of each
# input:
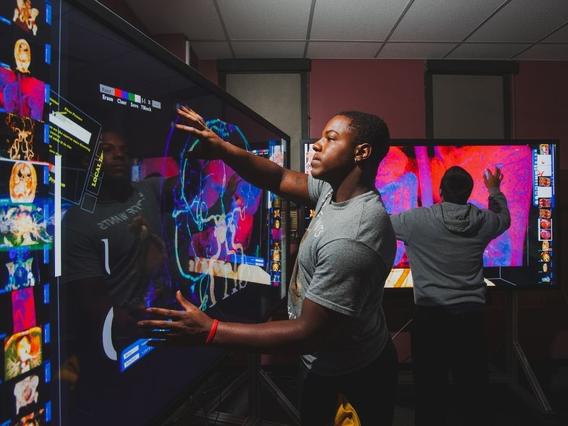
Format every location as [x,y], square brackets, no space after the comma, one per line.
[445,245]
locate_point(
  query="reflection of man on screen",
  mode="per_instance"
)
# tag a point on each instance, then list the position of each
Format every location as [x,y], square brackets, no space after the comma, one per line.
[112,258]
[114,240]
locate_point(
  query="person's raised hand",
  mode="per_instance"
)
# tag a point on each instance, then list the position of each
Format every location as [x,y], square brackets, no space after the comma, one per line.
[493,180]
[209,145]
[188,327]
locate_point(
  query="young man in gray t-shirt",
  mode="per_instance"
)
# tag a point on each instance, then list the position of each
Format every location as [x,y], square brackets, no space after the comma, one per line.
[345,252]
[335,297]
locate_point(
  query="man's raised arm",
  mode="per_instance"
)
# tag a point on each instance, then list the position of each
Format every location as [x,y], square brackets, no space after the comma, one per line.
[257,170]
[497,201]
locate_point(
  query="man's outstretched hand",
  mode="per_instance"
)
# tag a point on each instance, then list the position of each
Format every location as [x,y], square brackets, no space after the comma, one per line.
[188,327]
[210,145]
[493,180]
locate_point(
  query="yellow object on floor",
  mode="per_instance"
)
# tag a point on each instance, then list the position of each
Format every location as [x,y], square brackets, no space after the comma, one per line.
[346,414]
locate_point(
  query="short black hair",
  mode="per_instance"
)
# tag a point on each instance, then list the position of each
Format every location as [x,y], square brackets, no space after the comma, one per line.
[114,130]
[121,134]
[373,130]
[456,185]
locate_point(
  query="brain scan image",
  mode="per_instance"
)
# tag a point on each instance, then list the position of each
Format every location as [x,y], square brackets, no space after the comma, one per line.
[20,141]
[22,56]
[213,218]
[23,183]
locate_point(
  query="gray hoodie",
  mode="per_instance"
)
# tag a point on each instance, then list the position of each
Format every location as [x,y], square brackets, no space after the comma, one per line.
[445,245]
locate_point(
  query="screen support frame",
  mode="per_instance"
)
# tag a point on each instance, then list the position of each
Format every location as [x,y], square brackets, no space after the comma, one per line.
[517,359]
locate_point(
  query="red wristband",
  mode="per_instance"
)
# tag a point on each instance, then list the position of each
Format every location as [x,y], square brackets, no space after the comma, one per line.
[212,332]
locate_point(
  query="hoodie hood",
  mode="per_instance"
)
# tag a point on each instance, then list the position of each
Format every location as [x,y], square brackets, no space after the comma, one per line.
[464,219]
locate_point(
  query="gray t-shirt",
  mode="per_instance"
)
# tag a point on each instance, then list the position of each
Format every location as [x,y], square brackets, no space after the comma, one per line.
[102,244]
[343,261]
[445,245]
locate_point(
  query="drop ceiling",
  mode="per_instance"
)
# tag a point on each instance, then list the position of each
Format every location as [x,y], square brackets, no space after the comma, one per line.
[364,29]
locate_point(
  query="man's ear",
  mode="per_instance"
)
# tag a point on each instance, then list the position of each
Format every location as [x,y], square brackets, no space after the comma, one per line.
[363,151]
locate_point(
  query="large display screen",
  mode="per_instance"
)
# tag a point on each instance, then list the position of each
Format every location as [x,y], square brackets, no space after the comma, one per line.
[203,229]
[87,107]
[524,255]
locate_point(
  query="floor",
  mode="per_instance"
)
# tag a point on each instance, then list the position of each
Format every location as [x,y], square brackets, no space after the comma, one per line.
[217,403]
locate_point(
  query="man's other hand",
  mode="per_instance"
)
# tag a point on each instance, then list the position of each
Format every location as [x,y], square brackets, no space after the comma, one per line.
[493,180]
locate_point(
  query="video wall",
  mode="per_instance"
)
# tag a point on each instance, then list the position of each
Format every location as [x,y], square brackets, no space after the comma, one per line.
[26,215]
[524,255]
[105,211]
[144,218]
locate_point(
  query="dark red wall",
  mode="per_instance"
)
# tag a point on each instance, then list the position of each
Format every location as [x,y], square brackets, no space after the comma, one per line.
[392,89]
[540,110]
[540,103]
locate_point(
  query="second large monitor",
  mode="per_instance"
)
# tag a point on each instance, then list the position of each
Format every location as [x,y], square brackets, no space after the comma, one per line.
[523,256]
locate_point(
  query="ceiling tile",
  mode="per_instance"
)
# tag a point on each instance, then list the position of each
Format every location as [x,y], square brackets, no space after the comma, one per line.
[442,20]
[355,19]
[197,19]
[487,51]
[341,50]
[546,52]
[415,50]
[560,36]
[523,21]
[266,19]
[212,49]
[268,49]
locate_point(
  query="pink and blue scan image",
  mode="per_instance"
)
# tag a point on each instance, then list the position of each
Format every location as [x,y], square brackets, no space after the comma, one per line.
[223,218]
[25,226]
[20,272]
[410,176]
[23,309]
[21,94]
[216,214]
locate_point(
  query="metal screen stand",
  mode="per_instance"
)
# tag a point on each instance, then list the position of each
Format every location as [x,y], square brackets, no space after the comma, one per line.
[517,360]
[258,381]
